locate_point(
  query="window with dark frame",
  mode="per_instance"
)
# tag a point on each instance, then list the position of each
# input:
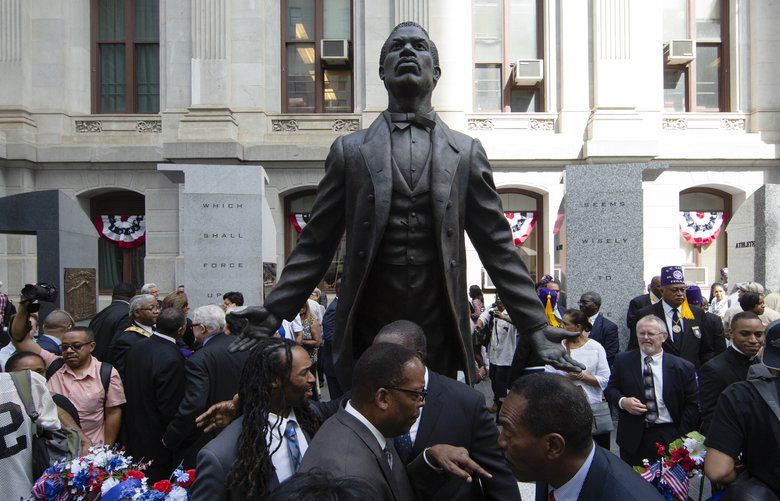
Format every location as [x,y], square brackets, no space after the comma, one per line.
[702,84]
[712,256]
[125,56]
[532,250]
[312,83]
[505,31]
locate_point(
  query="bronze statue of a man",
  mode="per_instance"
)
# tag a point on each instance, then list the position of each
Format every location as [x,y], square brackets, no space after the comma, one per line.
[404,190]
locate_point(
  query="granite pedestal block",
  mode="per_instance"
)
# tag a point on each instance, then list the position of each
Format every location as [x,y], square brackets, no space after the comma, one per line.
[221,237]
[604,252]
[754,239]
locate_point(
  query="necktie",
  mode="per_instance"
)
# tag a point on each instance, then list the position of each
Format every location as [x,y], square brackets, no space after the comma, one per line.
[676,327]
[552,496]
[403,444]
[292,444]
[420,119]
[652,408]
[388,456]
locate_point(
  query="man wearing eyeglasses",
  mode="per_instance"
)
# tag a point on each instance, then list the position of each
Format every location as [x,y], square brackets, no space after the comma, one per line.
[80,380]
[143,312]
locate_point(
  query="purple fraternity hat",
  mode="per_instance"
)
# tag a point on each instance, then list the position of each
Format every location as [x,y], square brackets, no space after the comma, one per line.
[544,291]
[771,356]
[672,275]
[693,295]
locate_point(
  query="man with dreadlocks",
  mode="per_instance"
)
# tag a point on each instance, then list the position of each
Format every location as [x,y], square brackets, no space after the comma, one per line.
[265,445]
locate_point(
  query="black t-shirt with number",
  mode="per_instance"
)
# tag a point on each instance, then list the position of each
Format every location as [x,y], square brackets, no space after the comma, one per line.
[744,423]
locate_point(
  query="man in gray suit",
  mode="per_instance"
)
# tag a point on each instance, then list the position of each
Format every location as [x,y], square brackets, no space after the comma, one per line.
[388,390]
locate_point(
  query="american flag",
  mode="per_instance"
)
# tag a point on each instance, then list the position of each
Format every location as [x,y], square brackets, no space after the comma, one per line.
[676,479]
[652,472]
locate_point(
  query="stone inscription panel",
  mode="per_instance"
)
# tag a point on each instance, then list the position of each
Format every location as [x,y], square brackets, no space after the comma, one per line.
[80,292]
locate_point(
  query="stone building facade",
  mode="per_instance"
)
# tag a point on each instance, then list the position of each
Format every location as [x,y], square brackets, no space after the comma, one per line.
[95,94]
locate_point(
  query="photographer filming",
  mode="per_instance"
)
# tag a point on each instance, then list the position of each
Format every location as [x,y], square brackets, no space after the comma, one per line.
[501,343]
[94,388]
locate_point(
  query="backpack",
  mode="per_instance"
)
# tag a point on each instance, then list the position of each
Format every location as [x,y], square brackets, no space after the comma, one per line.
[105,372]
[48,446]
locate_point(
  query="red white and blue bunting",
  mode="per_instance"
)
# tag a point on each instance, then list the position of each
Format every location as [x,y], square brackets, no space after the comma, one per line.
[123,231]
[522,224]
[701,228]
[299,220]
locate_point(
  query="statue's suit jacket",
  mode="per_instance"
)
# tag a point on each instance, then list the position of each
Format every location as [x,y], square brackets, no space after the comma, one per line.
[355,196]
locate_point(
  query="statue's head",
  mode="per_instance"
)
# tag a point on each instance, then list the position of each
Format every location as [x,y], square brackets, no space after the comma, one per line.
[409,61]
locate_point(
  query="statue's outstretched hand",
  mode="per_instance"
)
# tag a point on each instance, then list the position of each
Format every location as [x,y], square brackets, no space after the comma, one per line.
[261,323]
[547,344]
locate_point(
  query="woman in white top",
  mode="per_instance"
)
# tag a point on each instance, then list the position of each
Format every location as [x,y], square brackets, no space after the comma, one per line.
[719,303]
[591,354]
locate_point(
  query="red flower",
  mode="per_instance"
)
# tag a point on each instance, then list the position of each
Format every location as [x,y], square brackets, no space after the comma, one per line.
[660,449]
[190,480]
[679,454]
[687,464]
[138,475]
[163,486]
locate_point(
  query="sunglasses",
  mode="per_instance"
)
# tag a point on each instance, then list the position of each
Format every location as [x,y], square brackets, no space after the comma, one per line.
[74,346]
[421,394]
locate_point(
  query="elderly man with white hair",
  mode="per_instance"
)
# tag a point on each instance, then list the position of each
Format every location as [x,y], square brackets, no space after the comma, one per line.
[212,375]
[151,288]
[143,313]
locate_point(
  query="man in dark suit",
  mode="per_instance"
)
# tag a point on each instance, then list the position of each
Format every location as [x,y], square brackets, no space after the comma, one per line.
[143,313]
[56,323]
[644,300]
[112,319]
[604,330]
[388,391]
[404,190]
[711,323]
[213,374]
[546,434]
[688,338]
[156,368]
[326,352]
[747,337]
[656,393]
[453,414]
[275,390]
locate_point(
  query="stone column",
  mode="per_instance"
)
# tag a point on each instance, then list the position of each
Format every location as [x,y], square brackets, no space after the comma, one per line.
[624,39]
[209,118]
[221,230]
[412,10]
[754,239]
[604,235]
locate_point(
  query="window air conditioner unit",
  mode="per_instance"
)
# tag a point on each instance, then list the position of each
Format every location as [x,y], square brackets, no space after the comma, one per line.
[695,274]
[680,51]
[334,51]
[528,72]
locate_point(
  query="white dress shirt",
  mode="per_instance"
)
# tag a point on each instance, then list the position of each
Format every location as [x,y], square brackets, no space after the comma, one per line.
[592,319]
[658,382]
[380,439]
[570,491]
[668,310]
[275,436]
[167,338]
[503,340]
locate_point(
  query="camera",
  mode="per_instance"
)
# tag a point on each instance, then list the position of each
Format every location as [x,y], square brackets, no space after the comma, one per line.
[34,293]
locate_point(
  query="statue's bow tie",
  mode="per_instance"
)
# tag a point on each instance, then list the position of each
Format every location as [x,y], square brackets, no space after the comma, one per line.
[421,119]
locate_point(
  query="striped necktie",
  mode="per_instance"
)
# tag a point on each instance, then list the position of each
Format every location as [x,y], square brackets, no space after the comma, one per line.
[651,416]
[292,444]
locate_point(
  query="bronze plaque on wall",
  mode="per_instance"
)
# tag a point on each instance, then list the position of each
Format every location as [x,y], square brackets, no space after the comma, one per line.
[80,292]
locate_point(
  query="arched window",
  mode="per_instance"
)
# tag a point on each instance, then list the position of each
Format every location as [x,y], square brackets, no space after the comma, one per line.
[118,264]
[705,261]
[297,208]
[532,250]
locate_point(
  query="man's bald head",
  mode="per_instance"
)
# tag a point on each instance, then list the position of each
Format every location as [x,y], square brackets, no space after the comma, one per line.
[57,322]
[404,333]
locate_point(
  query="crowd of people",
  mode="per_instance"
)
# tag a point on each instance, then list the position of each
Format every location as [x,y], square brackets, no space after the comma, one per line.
[158,379]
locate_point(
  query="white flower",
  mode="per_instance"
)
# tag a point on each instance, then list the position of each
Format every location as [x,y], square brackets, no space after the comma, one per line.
[696,449]
[177,494]
[107,485]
